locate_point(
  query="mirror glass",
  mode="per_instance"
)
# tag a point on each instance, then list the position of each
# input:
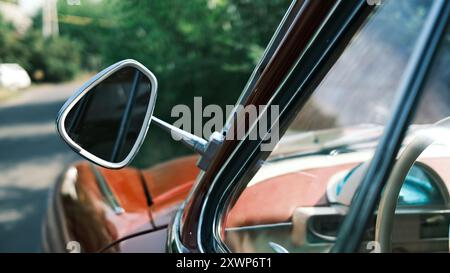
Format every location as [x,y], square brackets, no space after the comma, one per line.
[108,119]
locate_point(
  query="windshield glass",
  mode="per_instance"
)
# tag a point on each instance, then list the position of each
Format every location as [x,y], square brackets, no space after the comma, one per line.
[354,101]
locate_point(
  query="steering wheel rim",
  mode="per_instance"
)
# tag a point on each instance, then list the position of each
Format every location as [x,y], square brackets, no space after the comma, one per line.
[388,203]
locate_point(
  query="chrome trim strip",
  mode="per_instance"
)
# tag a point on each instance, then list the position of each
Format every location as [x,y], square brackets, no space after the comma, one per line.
[174,244]
[423,211]
[275,225]
[106,191]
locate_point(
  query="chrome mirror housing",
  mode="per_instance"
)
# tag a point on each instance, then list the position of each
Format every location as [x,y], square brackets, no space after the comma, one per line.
[107,119]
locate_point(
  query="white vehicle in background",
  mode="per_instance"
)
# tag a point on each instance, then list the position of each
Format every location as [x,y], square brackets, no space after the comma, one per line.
[13,76]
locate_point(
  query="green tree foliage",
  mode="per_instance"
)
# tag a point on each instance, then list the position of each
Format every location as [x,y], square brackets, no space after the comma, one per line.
[10,49]
[54,59]
[92,25]
[202,48]
[195,48]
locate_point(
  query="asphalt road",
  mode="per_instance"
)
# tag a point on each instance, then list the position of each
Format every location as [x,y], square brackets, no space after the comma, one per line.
[31,158]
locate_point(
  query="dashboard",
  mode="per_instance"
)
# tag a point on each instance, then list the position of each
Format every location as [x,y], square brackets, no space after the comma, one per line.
[421,222]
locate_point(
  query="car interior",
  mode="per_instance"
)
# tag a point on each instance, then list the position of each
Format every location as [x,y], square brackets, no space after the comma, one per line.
[300,209]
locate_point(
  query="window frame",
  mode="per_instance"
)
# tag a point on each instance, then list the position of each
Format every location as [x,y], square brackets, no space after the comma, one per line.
[327,44]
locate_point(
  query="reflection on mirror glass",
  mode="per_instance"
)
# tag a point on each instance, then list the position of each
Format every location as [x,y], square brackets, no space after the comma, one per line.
[108,119]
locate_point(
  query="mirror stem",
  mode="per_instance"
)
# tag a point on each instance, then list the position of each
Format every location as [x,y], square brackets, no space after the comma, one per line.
[207,149]
[194,142]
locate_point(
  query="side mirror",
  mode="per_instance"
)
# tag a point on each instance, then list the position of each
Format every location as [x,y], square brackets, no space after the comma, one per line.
[107,120]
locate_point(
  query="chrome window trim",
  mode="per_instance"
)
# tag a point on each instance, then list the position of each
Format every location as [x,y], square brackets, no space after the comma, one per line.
[70,103]
[174,244]
[260,226]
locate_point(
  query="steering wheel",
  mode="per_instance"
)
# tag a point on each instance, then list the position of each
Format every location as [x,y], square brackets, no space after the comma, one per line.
[388,203]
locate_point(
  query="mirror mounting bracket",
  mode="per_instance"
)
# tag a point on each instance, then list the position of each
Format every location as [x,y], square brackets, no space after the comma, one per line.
[214,143]
[206,148]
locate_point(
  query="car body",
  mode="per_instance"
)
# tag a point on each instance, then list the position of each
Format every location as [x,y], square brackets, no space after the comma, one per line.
[317,191]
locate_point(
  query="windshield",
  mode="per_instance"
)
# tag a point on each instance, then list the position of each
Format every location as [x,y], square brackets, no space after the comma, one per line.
[360,88]
[353,103]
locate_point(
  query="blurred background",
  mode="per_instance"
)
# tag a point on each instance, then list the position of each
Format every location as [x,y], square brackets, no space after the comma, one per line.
[48,48]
